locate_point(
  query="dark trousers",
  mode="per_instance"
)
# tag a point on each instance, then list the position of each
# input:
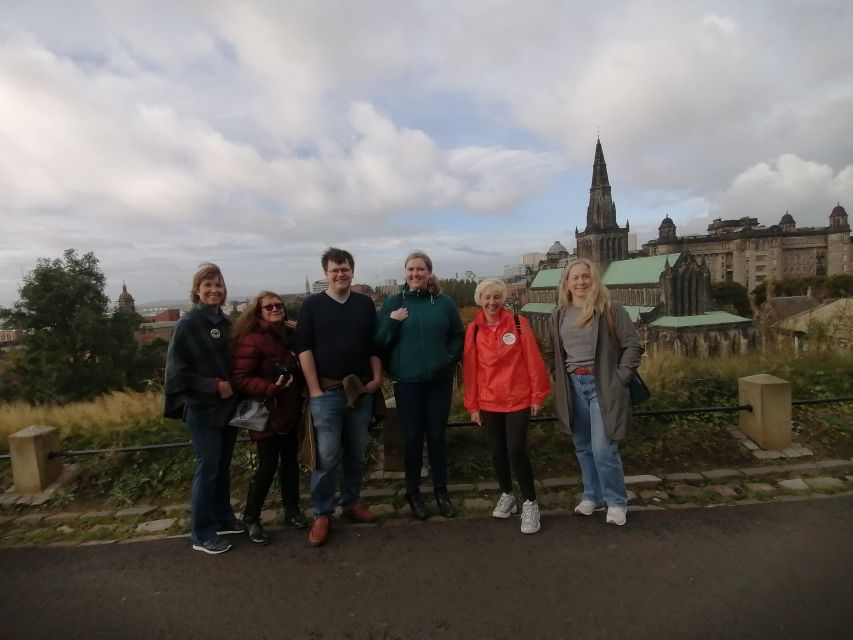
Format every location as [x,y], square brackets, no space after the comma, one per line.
[211,494]
[424,408]
[277,452]
[508,440]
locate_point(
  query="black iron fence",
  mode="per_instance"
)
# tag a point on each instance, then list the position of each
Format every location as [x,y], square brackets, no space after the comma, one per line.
[463,423]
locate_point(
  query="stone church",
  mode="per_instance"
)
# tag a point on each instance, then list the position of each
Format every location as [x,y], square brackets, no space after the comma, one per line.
[668,296]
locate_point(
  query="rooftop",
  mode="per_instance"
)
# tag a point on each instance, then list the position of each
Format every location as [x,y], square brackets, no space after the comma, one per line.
[638,270]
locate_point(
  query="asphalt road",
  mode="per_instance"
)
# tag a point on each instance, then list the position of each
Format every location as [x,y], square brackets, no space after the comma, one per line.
[778,570]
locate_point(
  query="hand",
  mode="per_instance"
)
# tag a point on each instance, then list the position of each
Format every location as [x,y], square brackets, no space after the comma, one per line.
[535,409]
[315,393]
[373,385]
[400,314]
[475,417]
[281,383]
[223,388]
[290,323]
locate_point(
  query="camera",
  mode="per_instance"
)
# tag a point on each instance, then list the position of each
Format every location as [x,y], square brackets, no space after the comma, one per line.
[286,370]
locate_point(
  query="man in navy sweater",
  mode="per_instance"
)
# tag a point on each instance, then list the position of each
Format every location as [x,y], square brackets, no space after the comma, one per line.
[334,338]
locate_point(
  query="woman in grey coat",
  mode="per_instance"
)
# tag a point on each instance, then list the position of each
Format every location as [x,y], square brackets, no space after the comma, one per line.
[593,350]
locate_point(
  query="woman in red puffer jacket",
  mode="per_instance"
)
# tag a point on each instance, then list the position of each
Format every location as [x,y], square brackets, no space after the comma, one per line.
[265,368]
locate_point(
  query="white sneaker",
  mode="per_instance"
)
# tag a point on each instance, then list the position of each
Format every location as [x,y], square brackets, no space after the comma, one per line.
[588,507]
[505,506]
[617,515]
[530,517]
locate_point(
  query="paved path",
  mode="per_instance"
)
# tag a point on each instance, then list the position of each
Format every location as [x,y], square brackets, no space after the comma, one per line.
[759,571]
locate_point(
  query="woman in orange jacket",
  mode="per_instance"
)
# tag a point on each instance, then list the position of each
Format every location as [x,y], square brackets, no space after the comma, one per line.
[505,383]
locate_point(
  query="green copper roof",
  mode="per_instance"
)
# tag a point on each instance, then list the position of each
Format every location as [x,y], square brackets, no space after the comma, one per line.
[538,307]
[711,317]
[547,279]
[638,270]
[634,312]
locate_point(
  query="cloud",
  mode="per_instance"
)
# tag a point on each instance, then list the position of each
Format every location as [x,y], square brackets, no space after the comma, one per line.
[807,189]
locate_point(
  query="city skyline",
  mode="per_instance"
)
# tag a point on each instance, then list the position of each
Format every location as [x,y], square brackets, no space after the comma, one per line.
[256,135]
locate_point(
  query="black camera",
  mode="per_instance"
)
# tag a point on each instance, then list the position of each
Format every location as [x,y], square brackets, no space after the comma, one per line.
[286,370]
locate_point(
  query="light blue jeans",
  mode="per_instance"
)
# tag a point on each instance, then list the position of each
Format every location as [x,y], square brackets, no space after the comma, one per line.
[341,435]
[598,455]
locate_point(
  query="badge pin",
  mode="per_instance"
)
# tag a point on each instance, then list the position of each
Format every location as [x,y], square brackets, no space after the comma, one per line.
[214,333]
[509,338]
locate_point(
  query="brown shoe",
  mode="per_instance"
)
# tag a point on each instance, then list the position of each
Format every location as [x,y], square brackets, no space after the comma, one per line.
[319,531]
[359,513]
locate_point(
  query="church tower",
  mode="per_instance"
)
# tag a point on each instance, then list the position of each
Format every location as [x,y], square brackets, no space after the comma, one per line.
[126,302]
[603,240]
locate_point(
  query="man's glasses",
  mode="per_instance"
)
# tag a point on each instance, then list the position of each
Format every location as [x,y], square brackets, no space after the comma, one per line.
[344,271]
[275,305]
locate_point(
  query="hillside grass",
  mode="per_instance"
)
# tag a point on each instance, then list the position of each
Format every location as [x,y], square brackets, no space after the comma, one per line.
[669,443]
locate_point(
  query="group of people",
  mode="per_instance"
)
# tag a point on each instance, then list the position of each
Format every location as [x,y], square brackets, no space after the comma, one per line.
[323,372]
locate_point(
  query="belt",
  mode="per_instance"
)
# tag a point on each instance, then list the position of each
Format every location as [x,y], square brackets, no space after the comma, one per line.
[583,371]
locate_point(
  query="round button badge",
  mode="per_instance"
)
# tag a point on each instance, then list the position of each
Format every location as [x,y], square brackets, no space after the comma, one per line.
[509,338]
[214,333]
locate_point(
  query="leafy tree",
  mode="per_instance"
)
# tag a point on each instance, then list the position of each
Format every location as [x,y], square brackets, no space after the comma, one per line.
[72,348]
[732,296]
[460,291]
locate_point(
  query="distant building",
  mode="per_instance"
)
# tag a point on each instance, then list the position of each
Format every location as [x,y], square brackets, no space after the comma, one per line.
[126,302]
[319,285]
[532,259]
[744,251]
[602,241]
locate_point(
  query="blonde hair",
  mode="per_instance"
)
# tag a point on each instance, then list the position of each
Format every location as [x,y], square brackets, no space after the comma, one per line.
[207,271]
[433,286]
[251,316]
[597,299]
[489,283]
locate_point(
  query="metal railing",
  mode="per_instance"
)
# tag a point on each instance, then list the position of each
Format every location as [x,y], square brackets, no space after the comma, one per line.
[462,423]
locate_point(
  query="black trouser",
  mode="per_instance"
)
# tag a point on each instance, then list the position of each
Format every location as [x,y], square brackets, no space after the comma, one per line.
[276,452]
[508,440]
[424,408]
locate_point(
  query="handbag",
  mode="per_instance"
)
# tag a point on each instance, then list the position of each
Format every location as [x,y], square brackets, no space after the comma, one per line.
[636,387]
[251,414]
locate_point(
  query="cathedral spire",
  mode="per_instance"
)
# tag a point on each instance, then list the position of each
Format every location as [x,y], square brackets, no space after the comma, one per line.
[599,170]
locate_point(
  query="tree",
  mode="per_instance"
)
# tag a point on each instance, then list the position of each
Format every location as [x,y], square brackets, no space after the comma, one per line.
[72,348]
[731,296]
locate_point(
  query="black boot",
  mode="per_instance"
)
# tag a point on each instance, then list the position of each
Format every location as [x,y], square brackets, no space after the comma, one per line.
[445,506]
[416,504]
[293,517]
[256,532]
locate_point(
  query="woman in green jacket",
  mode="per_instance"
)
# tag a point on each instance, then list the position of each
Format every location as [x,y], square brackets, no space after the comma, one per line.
[421,332]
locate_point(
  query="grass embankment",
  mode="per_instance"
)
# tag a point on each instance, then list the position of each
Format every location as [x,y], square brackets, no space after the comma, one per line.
[671,443]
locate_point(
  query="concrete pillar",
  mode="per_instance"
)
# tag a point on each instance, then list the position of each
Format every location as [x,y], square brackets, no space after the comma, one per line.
[32,470]
[392,439]
[769,422]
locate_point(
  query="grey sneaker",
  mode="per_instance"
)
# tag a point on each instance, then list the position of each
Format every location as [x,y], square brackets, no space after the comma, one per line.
[505,506]
[617,515]
[530,517]
[588,507]
[212,545]
[235,526]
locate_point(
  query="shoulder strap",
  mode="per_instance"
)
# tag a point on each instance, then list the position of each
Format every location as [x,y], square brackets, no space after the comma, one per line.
[517,323]
[476,331]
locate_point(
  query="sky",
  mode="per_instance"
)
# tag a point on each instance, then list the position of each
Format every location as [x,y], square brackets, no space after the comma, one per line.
[256,134]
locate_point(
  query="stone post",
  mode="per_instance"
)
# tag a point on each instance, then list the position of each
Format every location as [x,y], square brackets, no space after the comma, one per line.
[32,470]
[392,438]
[769,422]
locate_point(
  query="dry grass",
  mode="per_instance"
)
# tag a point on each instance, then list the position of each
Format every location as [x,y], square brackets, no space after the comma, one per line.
[108,415]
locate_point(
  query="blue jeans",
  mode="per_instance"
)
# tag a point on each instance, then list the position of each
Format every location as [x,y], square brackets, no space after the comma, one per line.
[598,455]
[424,408]
[211,494]
[341,435]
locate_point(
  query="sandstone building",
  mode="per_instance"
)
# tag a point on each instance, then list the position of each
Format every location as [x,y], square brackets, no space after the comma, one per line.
[746,252]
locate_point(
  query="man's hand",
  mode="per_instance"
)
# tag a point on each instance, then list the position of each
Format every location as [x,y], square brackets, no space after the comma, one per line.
[223,388]
[373,385]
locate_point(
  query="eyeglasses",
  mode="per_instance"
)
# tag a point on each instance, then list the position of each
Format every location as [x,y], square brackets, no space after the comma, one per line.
[275,305]
[344,271]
